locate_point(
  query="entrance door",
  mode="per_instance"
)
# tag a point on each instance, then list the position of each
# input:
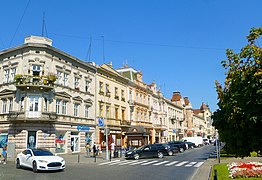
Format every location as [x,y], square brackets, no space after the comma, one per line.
[34,106]
[31,139]
[74,143]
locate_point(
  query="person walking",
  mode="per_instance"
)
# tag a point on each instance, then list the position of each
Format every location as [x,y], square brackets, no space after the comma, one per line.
[112,148]
[88,149]
[94,150]
[4,154]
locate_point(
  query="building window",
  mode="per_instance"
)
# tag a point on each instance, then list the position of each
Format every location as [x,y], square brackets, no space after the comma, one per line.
[57,106]
[13,71]
[65,80]
[101,85]
[122,95]
[108,111]
[10,104]
[100,109]
[87,86]
[107,90]
[87,111]
[141,98]
[76,83]
[136,97]
[64,107]
[123,114]
[116,93]
[76,109]
[36,70]
[7,76]
[116,113]
[4,109]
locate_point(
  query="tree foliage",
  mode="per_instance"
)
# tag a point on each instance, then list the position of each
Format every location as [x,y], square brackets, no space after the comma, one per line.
[239,117]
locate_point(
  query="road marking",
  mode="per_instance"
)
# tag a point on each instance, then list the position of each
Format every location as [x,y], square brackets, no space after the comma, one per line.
[182,163]
[127,162]
[169,164]
[138,163]
[198,164]
[108,162]
[163,162]
[191,164]
[116,163]
[151,162]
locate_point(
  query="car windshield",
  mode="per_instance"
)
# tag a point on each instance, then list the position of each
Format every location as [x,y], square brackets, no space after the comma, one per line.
[141,147]
[41,152]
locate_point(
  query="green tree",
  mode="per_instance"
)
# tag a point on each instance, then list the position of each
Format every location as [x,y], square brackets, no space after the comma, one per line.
[239,116]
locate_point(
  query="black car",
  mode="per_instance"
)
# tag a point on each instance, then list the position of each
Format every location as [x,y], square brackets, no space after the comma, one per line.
[179,144]
[173,148]
[190,145]
[149,151]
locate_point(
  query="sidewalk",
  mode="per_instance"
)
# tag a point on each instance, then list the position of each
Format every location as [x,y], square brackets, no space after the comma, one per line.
[82,158]
[205,171]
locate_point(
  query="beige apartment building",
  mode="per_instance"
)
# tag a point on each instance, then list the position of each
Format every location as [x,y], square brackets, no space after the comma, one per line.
[112,106]
[47,98]
[141,130]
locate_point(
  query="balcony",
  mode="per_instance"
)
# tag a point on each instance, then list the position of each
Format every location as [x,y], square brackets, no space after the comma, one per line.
[23,116]
[131,103]
[34,82]
[125,123]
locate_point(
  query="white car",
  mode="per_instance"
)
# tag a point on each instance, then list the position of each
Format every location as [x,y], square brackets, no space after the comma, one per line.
[39,159]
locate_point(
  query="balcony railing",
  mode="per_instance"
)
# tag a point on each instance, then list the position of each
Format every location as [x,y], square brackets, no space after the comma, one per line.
[27,81]
[31,116]
[125,123]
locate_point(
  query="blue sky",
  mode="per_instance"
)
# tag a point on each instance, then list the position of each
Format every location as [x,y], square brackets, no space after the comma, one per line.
[179,44]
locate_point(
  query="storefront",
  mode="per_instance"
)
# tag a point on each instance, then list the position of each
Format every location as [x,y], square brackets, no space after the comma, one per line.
[137,136]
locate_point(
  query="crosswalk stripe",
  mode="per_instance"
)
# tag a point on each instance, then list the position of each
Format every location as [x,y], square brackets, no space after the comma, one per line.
[169,164]
[198,164]
[151,162]
[182,163]
[191,164]
[140,162]
[114,163]
[127,162]
[108,162]
[163,162]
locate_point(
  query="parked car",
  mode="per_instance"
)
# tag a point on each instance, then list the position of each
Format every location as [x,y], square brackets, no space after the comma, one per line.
[173,148]
[149,151]
[179,144]
[190,145]
[39,159]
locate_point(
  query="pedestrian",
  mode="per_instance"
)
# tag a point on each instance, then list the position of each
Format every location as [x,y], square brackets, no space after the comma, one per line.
[112,148]
[94,149]
[88,149]
[4,155]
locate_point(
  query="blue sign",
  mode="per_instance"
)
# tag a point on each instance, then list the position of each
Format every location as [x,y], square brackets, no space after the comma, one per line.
[83,128]
[174,130]
[101,122]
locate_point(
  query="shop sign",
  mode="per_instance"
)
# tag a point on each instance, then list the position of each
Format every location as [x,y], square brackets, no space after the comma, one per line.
[83,128]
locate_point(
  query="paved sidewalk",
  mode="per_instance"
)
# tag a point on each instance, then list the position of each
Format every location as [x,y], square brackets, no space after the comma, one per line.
[82,158]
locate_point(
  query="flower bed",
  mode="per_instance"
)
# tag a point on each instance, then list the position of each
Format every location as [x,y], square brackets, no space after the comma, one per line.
[245,170]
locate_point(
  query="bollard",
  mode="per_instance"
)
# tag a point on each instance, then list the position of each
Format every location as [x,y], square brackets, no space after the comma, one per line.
[215,176]
[95,158]
[78,157]
[110,156]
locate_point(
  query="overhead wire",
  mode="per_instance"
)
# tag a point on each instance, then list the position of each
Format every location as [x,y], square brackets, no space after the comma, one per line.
[141,43]
[19,22]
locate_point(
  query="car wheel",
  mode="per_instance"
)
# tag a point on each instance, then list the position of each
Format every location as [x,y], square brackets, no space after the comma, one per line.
[34,167]
[170,153]
[160,155]
[181,150]
[136,156]
[18,166]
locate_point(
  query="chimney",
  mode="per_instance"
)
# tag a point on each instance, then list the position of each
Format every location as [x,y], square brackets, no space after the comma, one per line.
[186,101]
[176,96]
[38,40]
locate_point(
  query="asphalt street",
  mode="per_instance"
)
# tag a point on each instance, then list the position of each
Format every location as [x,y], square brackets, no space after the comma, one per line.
[182,166]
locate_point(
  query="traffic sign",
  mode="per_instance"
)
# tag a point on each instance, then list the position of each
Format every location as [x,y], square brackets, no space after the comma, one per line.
[101,122]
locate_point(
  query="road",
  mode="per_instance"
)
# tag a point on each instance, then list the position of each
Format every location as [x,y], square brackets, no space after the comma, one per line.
[181,166]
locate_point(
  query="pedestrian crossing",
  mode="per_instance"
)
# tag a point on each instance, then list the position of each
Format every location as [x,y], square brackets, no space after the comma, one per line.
[153,163]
